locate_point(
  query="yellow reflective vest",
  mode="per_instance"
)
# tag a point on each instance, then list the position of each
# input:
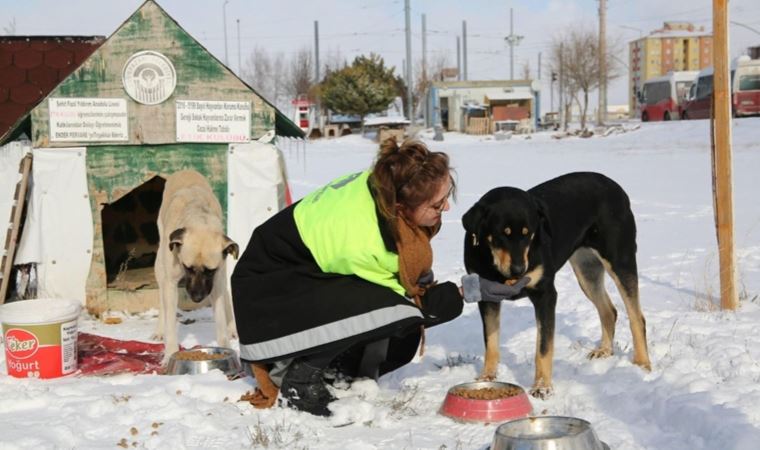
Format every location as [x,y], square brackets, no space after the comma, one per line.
[339,225]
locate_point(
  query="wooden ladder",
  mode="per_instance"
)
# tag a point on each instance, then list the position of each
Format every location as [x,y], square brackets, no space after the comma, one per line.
[6,263]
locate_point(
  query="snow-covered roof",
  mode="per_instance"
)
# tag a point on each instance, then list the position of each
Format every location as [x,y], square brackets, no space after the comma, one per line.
[386,120]
[516,95]
[679,33]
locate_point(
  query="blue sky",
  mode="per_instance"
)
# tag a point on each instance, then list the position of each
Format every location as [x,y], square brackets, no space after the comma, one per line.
[352,27]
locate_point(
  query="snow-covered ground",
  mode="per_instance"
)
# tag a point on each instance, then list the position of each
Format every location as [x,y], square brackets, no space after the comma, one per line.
[703,391]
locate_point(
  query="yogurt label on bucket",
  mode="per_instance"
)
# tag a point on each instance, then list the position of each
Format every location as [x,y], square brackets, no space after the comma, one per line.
[40,338]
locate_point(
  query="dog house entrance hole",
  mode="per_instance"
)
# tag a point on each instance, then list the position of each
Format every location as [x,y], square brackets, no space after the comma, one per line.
[130,236]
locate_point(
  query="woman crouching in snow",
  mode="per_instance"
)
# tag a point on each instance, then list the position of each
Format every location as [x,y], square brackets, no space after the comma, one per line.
[343,278]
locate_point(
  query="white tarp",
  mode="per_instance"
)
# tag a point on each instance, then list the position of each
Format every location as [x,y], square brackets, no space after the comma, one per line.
[58,231]
[10,158]
[256,186]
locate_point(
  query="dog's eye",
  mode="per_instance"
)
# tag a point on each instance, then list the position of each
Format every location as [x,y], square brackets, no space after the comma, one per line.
[507,231]
[525,231]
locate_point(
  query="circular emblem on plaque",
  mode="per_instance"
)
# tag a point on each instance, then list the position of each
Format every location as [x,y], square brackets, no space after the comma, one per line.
[149,77]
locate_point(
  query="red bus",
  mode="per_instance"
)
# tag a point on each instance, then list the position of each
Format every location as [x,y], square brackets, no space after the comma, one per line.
[746,87]
[661,98]
[745,91]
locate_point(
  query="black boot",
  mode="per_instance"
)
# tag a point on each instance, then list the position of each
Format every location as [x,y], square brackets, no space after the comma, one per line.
[304,389]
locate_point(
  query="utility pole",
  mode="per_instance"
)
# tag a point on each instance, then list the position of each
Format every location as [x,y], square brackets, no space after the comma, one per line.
[409,105]
[240,60]
[224,24]
[551,91]
[538,94]
[602,113]
[316,51]
[512,40]
[723,196]
[562,118]
[464,50]
[425,110]
[318,109]
[459,61]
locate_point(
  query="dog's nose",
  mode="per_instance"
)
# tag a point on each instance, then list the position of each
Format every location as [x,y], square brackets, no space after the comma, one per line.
[517,269]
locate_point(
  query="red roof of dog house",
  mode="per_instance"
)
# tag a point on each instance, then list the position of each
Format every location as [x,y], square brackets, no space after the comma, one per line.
[31,66]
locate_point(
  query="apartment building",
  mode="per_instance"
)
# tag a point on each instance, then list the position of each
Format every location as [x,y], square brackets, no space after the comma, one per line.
[677,46]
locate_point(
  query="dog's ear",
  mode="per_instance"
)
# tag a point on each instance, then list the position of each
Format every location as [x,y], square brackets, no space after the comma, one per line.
[230,248]
[176,238]
[472,219]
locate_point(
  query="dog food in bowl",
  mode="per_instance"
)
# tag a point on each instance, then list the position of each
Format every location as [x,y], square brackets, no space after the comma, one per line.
[191,355]
[486,401]
[488,393]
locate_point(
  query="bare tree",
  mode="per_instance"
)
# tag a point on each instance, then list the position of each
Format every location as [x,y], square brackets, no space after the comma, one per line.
[333,60]
[10,29]
[257,71]
[526,75]
[301,73]
[280,91]
[580,65]
[434,71]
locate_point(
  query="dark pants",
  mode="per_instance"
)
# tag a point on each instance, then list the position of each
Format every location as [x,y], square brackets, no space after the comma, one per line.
[384,353]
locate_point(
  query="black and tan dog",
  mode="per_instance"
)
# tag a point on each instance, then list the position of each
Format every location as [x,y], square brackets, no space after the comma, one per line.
[585,218]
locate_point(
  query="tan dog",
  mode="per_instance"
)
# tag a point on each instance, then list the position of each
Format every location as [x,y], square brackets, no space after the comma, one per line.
[192,249]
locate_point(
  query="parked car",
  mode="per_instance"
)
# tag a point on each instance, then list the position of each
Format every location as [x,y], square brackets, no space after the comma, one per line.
[550,121]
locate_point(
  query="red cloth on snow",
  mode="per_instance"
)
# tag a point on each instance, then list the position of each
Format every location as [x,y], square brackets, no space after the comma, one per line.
[99,355]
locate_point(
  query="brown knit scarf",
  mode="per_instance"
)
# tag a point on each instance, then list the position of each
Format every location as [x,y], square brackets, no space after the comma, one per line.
[415,258]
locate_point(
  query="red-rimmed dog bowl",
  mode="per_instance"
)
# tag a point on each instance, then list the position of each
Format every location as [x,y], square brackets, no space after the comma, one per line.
[466,408]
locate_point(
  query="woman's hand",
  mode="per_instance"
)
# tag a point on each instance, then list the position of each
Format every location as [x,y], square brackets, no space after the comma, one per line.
[478,289]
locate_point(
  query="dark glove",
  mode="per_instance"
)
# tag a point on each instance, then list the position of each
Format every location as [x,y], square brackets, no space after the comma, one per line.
[426,279]
[478,289]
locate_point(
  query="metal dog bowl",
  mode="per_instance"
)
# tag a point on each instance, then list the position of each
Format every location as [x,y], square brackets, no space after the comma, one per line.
[193,361]
[547,433]
[478,410]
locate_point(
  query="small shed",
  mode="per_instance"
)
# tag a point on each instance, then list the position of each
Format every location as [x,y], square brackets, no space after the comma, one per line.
[478,106]
[148,102]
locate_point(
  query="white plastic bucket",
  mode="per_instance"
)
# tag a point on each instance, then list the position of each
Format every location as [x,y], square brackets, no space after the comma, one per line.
[40,337]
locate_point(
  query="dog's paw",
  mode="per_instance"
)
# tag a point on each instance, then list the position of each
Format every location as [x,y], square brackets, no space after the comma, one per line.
[599,353]
[157,336]
[542,392]
[486,377]
[645,365]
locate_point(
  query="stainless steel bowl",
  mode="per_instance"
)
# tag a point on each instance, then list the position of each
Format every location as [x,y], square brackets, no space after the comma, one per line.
[547,433]
[228,363]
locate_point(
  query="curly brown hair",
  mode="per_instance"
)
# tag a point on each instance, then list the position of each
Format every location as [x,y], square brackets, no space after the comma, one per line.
[407,175]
